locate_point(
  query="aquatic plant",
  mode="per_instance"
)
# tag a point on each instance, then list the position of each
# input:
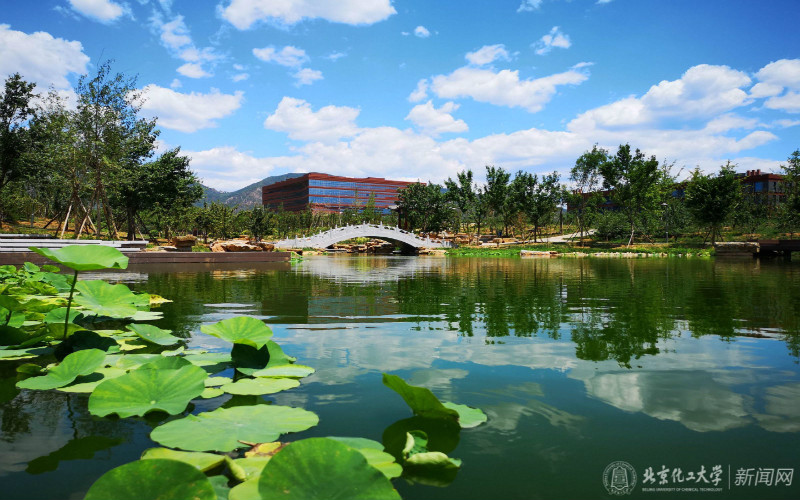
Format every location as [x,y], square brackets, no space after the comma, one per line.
[95,354]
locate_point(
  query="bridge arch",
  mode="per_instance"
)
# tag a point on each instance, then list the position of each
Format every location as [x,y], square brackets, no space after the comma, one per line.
[378,231]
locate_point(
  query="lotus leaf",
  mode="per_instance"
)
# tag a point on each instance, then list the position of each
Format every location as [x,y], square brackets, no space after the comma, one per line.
[217,381]
[147,316]
[240,330]
[30,352]
[30,369]
[10,303]
[165,363]
[114,301]
[84,339]
[174,352]
[59,315]
[85,257]
[252,466]
[224,429]
[247,490]
[259,386]
[156,479]
[76,364]
[373,452]
[443,435]
[276,355]
[291,371]
[88,383]
[248,359]
[421,400]
[321,468]
[211,392]
[265,450]
[148,389]
[154,334]
[221,488]
[467,416]
[15,319]
[129,361]
[204,462]
[433,468]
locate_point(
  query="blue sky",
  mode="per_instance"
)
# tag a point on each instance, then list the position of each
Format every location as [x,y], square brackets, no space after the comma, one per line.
[421,89]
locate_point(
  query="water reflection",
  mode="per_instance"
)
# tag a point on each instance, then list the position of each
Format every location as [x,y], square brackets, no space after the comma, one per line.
[576,362]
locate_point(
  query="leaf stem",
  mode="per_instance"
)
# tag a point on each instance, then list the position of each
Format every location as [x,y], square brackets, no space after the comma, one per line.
[69,302]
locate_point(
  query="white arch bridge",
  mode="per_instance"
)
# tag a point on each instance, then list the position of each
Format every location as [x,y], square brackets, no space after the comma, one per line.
[378,231]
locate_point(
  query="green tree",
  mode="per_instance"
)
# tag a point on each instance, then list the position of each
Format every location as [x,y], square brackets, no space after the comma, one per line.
[790,209]
[425,206]
[260,222]
[712,199]
[15,111]
[167,181]
[537,199]
[112,136]
[497,195]
[636,183]
[461,192]
[585,176]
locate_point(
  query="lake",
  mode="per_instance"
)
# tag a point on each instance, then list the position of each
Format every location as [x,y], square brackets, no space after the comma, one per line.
[681,372]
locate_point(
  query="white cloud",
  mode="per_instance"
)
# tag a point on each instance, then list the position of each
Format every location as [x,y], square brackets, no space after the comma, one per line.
[176,84]
[244,13]
[775,78]
[290,56]
[188,112]
[786,123]
[240,77]
[789,102]
[434,121]
[529,5]
[307,76]
[488,54]
[783,73]
[503,88]
[226,168]
[335,56]
[102,10]
[422,32]
[40,58]
[296,118]
[555,38]
[193,70]
[421,92]
[176,38]
[704,91]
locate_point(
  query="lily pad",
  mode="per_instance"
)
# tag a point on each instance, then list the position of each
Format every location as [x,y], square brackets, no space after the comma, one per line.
[467,416]
[421,400]
[373,452]
[85,257]
[82,340]
[30,352]
[217,381]
[247,490]
[59,315]
[290,371]
[102,299]
[252,466]
[224,429]
[259,386]
[211,392]
[276,355]
[220,485]
[88,383]
[148,389]
[248,359]
[240,330]
[203,462]
[321,468]
[154,334]
[76,364]
[152,479]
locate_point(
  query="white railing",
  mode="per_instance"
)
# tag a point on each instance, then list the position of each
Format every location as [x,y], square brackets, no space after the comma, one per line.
[379,231]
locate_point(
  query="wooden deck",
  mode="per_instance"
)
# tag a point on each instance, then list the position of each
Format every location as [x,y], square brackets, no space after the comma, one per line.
[775,247]
[17,258]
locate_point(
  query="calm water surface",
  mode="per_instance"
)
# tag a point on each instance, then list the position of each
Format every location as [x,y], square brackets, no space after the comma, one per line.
[664,364]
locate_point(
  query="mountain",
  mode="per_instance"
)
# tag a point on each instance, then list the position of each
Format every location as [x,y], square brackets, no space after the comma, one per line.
[245,198]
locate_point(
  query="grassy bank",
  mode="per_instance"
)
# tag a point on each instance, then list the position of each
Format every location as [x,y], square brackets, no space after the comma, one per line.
[674,250]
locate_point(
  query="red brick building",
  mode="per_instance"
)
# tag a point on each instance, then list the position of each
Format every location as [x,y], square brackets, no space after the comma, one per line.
[331,193]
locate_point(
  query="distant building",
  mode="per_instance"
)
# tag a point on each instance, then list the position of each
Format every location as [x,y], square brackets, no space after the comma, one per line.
[331,193]
[765,188]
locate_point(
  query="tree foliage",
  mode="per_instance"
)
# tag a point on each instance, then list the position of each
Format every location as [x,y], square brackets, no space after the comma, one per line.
[712,199]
